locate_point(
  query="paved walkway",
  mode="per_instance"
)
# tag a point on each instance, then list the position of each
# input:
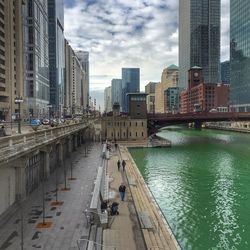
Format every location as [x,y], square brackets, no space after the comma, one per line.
[124,232]
[68,222]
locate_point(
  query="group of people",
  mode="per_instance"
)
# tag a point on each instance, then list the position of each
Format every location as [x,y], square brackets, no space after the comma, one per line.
[119,165]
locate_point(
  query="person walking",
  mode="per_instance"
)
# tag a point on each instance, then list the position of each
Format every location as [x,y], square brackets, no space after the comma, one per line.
[122,190]
[123,165]
[118,165]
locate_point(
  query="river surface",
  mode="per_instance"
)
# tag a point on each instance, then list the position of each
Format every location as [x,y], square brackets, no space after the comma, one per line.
[202,185]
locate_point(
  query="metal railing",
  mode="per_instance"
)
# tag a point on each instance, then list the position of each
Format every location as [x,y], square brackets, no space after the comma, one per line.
[89,244]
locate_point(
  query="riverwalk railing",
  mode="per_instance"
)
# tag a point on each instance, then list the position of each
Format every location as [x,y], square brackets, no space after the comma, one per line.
[16,145]
[92,245]
[100,192]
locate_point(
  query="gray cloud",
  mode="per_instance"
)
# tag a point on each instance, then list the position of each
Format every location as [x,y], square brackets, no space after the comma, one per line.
[118,33]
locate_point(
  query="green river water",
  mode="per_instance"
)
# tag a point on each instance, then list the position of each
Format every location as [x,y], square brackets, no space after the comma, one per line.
[202,185]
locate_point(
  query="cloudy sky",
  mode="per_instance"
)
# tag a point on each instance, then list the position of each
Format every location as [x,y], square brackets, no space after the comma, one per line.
[129,33]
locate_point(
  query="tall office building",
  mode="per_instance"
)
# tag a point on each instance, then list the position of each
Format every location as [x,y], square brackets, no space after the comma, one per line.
[130,84]
[116,86]
[199,39]
[83,57]
[240,55]
[150,98]
[169,78]
[56,56]
[37,57]
[11,59]
[225,72]
[108,99]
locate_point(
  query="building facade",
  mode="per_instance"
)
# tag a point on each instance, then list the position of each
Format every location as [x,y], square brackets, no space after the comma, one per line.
[116,85]
[127,127]
[83,57]
[203,97]
[239,56]
[108,99]
[130,84]
[199,39]
[172,98]
[150,99]
[169,79]
[225,72]
[37,83]
[11,59]
[56,56]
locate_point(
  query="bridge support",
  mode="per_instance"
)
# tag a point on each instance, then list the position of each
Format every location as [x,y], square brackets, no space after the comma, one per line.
[197,124]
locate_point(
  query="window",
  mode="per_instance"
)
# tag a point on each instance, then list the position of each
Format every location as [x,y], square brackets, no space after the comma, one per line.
[136,124]
[136,134]
[142,124]
[142,134]
[130,134]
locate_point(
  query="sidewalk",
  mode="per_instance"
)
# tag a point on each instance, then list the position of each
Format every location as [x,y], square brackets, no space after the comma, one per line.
[124,232]
[68,221]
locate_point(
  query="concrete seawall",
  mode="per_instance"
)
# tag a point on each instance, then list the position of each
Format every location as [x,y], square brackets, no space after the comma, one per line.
[156,231]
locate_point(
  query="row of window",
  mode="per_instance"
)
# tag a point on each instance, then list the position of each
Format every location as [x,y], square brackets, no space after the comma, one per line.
[124,124]
[130,134]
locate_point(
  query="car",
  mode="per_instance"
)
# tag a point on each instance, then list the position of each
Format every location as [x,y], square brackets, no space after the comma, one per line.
[35,122]
[45,122]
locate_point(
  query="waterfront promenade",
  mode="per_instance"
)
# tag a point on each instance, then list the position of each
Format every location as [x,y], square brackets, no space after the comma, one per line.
[139,224]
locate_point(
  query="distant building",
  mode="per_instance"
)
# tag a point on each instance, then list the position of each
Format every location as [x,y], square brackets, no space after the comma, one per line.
[130,84]
[200,96]
[83,57]
[11,60]
[56,55]
[37,57]
[116,85]
[137,105]
[74,78]
[169,79]
[150,99]
[239,55]
[225,72]
[199,39]
[172,97]
[107,99]
[127,127]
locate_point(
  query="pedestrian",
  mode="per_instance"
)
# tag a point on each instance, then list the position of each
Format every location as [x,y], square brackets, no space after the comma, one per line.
[123,165]
[2,131]
[118,165]
[122,190]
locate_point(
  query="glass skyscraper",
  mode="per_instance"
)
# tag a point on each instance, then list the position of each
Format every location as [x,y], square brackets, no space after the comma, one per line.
[240,55]
[56,55]
[37,57]
[116,86]
[199,39]
[130,84]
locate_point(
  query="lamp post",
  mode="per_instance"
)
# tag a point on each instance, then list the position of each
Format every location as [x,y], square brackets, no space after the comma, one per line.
[19,100]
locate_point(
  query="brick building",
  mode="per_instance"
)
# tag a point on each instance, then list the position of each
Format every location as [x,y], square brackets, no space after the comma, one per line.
[200,96]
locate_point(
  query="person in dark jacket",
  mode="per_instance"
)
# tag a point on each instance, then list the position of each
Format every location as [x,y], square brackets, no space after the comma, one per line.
[123,165]
[118,165]
[122,190]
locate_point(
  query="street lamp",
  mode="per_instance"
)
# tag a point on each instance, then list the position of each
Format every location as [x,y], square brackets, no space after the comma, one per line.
[19,100]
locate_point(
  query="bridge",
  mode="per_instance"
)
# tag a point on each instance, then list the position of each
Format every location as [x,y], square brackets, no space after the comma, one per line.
[159,120]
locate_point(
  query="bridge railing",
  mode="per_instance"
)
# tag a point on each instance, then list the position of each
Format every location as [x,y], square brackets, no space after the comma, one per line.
[17,144]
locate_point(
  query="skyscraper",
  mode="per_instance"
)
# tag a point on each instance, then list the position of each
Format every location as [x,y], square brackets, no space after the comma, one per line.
[83,57]
[116,85]
[199,39]
[240,55]
[56,55]
[225,72]
[130,84]
[11,58]
[37,57]
[107,99]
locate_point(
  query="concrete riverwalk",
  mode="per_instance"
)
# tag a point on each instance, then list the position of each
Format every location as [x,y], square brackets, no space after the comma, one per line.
[139,225]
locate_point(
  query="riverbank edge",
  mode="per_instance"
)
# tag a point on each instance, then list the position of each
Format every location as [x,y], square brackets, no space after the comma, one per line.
[228,129]
[155,206]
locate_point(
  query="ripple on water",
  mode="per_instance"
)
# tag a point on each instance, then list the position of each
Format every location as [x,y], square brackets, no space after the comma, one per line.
[202,186]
